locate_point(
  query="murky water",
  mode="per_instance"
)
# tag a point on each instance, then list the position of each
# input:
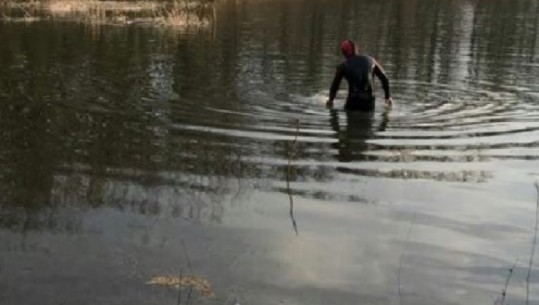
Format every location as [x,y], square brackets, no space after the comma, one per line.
[134,152]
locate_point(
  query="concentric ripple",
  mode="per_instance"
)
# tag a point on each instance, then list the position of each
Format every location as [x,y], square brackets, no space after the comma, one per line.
[435,132]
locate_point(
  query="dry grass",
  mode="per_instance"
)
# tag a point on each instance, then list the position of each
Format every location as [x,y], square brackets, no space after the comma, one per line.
[199,284]
[89,6]
[175,13]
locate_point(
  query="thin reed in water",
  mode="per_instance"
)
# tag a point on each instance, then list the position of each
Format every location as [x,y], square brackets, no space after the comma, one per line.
[187,256]
[292,154]
[401,258]
[507,280]
[190,266]
[180,289]
[534,242]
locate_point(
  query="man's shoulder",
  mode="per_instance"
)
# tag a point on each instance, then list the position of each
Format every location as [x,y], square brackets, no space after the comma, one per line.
[354,60]
[366,57]
[342,65]
[358,57]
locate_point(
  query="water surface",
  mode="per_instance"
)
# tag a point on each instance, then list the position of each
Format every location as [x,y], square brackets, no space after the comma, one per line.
[127,149]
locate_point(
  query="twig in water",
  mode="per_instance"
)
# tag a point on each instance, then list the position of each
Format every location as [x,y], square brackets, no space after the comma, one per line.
[401,259]
[187,256]
[534,242]
[184,246]
[292,154]
[180,289]
[507,280]
[189,295]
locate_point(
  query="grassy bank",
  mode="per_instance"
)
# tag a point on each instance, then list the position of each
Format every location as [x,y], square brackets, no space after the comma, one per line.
[176,13]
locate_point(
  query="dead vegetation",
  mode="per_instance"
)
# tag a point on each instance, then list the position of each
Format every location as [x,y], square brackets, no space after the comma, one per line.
[187,281]
[174,13]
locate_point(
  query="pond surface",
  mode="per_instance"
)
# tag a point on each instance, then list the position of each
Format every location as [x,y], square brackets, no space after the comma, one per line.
[129,152]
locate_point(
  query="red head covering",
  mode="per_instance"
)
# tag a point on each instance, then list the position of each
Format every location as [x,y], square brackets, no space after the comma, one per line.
[348,48]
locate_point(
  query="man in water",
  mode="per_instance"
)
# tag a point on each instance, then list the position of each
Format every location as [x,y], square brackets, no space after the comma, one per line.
[358,71]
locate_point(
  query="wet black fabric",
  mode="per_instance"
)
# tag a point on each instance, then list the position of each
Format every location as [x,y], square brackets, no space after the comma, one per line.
[358,71]
[363,104]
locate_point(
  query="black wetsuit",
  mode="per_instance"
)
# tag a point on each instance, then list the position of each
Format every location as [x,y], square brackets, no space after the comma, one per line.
[358,71]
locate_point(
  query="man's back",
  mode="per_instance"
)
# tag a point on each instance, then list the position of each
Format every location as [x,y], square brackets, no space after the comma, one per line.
[358,70]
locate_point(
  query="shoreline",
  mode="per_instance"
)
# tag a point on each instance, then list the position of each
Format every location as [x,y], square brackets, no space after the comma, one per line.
[172,13]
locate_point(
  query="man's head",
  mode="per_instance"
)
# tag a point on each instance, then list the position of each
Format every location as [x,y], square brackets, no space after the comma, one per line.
[348,48]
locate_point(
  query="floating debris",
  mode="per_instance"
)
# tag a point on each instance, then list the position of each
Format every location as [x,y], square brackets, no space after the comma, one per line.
[200,284]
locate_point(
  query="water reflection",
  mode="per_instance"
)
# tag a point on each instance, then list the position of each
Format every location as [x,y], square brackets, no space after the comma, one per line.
[352,138]
[127,104]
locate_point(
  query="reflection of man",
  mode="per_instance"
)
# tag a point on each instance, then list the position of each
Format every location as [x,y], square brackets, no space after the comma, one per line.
[358,71]
[353,139]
